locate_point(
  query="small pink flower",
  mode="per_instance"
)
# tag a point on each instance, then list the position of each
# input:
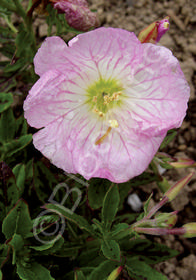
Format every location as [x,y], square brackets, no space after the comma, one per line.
[105,102]
[77,13]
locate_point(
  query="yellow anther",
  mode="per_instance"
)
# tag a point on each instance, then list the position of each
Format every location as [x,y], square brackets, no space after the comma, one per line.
[113,123]
[94,99]
[166,25]
[95,110]
[107,99]
[101,114]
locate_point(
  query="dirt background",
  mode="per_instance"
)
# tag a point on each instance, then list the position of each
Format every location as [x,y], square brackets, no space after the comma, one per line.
[134,15]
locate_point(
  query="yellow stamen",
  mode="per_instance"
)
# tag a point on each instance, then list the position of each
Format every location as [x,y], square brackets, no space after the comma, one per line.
[166,25]
[101,114]
[113,123]
[100,140]
[95,99]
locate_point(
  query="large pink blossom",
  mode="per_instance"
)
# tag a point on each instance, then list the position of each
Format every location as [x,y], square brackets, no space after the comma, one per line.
[105,102]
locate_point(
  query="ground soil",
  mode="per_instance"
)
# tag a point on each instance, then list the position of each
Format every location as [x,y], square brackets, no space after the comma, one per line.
[134,15]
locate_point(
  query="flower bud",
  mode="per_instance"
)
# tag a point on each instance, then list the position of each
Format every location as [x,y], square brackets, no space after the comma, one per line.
[182,163]
[167,220]
[77,14]
[154,32]
[115,273]
[174,190]
[190,230]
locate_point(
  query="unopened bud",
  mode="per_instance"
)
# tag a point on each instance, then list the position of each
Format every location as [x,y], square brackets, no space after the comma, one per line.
[154,32]
[77,13]
[174,190]
[183,162]
[167,220]
[190,230]
[115,273]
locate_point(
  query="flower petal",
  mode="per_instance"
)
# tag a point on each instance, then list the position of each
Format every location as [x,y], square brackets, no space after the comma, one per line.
[50,56]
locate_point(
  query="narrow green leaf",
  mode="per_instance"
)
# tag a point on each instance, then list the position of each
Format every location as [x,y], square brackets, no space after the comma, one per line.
[170,136]
[1,275]
[79,275]
[119,230]
[96,192]
[7,126]
[16,145]
[6,100]
[43,180]
[17,244]
[146,204]
[148,251]
[68,214]
[139,270]
[34,272]
[103,270]
[111,249]
[19,172]
[110,205]
[9,193]
[17,221]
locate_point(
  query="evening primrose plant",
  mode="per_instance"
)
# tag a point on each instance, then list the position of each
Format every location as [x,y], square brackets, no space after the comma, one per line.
[103,105]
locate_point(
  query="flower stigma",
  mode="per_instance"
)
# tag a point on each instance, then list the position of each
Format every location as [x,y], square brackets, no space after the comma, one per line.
[102,97]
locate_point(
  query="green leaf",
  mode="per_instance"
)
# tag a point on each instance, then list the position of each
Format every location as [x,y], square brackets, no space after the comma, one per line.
[96,192]
[148,251]
[146,204]
[103,270]
[111,249]
[17,244]
[16,145]
[17,221]
[79,275]
[1,275]
[110,205]
[119,230]
[9,193]
[124,190]
[68,214]
[34,272]
[4,252]
[7,126]
[19,172]
[170,136]
[139,270]
[6,100]
[43,180]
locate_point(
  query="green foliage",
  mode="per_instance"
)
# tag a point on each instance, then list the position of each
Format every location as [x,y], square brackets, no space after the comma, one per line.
[6,100]
[9,192]
[34,271]
[110,206]
[17,221]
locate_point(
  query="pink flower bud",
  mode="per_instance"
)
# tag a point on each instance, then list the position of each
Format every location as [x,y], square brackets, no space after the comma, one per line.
[174,190]
[190,230]
[77,14]
[115,273]
[154,32]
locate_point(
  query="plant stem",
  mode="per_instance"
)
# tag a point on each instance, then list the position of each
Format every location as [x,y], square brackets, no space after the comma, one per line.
[9,23]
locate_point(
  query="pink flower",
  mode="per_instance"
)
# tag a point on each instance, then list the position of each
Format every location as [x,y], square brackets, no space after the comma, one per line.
[77,13]
[104,103]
